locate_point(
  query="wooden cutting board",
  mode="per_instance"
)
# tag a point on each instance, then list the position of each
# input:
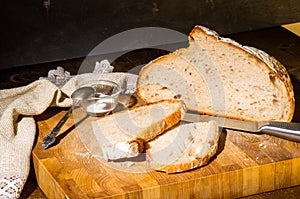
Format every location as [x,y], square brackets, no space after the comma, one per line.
[245,164]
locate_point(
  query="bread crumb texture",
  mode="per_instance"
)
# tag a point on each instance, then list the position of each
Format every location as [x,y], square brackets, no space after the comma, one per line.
[183,148]
[218,76]
[123,134]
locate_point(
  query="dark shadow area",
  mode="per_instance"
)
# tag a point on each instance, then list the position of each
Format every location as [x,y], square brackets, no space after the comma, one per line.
[137,59]
[50,112]
[140,158]
[66,132]
[31,189]
[296,85]
[35,32]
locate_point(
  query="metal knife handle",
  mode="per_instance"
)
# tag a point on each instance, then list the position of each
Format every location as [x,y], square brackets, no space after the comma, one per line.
[286,130]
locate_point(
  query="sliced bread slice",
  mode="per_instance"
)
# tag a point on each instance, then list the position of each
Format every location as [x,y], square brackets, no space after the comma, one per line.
[183,148]
[218,76]
[123,134]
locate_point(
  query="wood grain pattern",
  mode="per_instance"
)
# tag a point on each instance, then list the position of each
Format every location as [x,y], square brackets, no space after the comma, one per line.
[245,164]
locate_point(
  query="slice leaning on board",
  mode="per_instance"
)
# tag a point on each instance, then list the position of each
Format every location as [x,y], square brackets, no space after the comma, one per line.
[214,76]
[183,148]
[123,134]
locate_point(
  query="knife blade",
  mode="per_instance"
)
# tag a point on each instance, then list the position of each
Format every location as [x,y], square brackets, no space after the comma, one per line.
[285,130]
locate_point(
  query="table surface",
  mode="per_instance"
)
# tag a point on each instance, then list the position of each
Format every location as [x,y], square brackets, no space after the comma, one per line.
[277,41]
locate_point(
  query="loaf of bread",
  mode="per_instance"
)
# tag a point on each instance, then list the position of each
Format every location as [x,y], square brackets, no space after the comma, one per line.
[123,134]
[218,76]
[183,148]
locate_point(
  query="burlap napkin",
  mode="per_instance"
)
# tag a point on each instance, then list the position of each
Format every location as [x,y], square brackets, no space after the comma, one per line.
[18,128]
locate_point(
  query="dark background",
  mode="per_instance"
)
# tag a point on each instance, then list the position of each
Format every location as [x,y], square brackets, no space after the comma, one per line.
[38,35]
[41,31]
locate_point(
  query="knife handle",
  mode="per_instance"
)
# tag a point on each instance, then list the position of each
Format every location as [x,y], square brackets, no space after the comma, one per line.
[286,130]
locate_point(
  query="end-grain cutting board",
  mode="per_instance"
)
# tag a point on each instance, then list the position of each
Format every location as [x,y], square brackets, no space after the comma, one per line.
[245,164]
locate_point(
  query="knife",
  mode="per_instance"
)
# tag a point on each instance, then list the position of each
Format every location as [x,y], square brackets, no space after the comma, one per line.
[285,130]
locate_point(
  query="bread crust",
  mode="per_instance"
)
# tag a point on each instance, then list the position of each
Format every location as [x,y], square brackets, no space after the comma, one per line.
[196,162]
[169,121]
[274,67]
[135,143]
[186,166]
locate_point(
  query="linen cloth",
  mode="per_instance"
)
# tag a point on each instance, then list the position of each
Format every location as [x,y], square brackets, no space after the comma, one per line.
[18,127]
